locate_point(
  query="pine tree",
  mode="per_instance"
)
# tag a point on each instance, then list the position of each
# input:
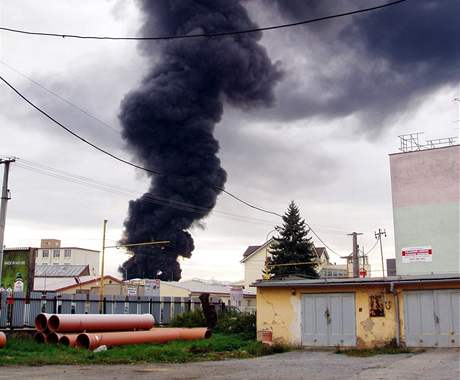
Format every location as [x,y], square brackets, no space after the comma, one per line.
[292,246]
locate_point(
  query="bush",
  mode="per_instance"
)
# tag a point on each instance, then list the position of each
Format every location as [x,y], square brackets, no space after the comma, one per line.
[231,322]
[189,319]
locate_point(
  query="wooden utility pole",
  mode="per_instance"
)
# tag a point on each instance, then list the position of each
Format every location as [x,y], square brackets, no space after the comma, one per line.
[378,235]
[101,287]
[355,254]
[5,196]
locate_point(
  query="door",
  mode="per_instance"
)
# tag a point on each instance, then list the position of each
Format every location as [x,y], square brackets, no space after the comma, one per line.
[328,319]
[432,318]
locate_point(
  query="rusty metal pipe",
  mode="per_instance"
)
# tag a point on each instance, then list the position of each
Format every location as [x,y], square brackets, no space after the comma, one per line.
[99,322]
[39,337]
[159,335]
[68,340]
[2,340]
[41,322]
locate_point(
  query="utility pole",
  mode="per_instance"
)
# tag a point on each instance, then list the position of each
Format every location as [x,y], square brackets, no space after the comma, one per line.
[378,235]
[355,253]
[5,196]
[101,287]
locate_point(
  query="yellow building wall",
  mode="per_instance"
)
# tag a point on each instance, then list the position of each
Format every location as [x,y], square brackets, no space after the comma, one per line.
[279,310]
[167,290]
[110,288]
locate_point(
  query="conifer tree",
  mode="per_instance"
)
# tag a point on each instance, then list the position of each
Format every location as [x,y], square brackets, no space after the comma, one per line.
[291,247]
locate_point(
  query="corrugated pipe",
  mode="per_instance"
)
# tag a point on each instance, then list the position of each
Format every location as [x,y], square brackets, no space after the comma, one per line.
[39,337]
[159,335]
[2,340]
[41,322]
[99,322]
[68,340]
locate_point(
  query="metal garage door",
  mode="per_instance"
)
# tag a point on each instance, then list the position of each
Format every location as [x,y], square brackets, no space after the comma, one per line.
[432,318]
[328,319]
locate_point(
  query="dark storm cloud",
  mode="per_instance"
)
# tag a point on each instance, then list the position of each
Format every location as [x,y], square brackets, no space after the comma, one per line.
[169,121]
[378,64]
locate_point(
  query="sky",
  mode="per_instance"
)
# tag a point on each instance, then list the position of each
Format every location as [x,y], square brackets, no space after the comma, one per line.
[350,87]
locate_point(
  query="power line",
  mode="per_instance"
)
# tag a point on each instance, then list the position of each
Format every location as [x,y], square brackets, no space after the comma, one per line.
[68,102]
[202,35]
[122,160]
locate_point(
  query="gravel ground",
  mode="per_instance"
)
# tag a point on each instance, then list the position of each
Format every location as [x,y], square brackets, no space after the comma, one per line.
[436,364]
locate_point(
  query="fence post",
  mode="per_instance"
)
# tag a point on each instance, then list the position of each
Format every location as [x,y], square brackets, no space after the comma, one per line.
[166,315]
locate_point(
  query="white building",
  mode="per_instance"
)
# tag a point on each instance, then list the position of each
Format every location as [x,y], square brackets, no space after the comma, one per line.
[255,256]
[425,184]
[51,253]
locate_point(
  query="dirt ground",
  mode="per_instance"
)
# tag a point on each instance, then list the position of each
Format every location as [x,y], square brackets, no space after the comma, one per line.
[436,364]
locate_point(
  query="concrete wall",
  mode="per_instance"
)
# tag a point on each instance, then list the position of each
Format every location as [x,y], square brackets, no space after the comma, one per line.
[426,207]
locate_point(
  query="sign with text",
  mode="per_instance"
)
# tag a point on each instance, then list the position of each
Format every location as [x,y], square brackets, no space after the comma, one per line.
[423,254]
[18,269]
[152,288]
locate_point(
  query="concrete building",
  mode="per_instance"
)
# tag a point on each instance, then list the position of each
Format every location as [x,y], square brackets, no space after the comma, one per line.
[425,183]
[255,256]
[416,311]
[52,253]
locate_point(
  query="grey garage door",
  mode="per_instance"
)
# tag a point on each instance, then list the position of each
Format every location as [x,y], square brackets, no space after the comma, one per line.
[328,319]
[432,318]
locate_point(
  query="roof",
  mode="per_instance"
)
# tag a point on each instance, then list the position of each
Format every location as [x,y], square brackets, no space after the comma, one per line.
[354,281]
[252,249]
[198,287]
[61,270]
[88,280]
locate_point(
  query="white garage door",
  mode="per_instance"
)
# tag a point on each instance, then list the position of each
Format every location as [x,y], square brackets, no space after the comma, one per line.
[432,318]
[328,319]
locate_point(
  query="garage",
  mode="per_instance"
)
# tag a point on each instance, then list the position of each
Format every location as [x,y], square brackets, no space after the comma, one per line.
[432,318]
[328,319]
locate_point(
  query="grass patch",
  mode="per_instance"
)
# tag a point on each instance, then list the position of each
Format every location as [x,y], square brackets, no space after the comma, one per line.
[24,351]
[365,352]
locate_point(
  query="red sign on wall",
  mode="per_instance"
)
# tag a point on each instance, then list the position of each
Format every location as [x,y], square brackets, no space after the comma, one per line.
[417,254]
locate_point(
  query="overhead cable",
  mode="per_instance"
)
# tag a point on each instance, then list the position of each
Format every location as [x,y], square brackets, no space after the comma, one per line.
[202,35]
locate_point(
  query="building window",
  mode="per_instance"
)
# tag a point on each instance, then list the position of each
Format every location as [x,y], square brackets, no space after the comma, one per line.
[67,253]
[46,253]
[56,253]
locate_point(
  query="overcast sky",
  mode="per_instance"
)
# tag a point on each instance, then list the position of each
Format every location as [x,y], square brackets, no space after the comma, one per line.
[339,109]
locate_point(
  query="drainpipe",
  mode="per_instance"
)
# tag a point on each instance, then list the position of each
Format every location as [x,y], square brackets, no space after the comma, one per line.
[398,325]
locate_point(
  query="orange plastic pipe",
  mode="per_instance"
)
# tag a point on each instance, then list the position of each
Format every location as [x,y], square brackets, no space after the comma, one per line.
[68,340]
[53,338]
[41,322]
[99,322]
[39,337]
[2,340]
[159,335]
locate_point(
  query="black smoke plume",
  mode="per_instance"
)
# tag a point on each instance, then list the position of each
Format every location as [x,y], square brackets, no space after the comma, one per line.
[169,121]
[381,63]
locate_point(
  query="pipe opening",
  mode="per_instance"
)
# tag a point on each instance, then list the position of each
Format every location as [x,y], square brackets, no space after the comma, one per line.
[39,337]
[208,334]
[65,341]
[53,322]
[52,338]
[82,341]
[41,322]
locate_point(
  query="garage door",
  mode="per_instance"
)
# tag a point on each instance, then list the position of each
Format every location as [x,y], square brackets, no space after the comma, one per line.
[328,319]
[432,318]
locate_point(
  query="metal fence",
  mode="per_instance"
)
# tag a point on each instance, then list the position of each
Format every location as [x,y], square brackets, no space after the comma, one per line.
[17,311]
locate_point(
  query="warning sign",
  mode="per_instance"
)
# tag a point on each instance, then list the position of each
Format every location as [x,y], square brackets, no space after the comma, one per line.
[422,254]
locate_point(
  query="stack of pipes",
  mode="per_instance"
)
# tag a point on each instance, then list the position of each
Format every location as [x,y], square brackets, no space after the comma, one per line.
[93,330]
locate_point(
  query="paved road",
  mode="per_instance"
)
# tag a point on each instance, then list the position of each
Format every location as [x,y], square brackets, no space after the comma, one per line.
[441,364]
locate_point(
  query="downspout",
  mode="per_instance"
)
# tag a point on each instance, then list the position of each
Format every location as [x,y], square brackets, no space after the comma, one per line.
[398,325]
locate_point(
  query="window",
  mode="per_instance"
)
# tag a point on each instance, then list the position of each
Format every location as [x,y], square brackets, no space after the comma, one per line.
[67,253]
[376,306]
[46,253]
[56,253]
